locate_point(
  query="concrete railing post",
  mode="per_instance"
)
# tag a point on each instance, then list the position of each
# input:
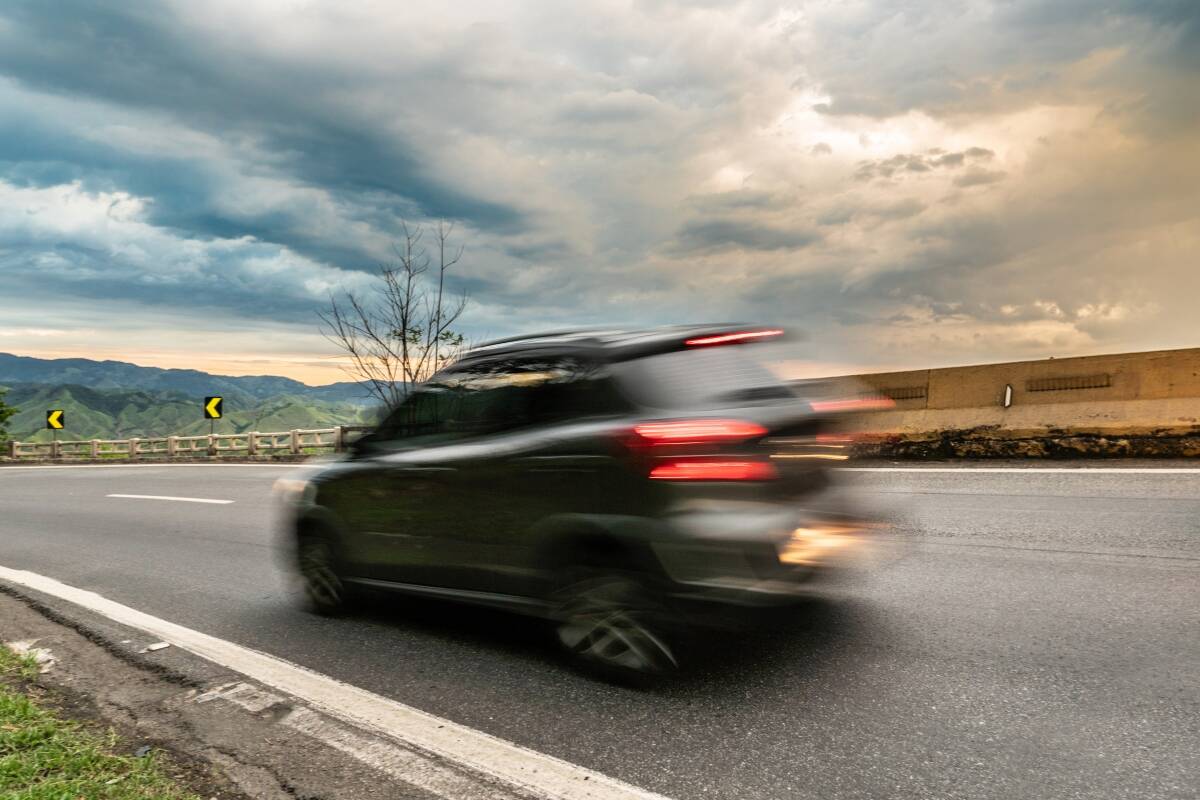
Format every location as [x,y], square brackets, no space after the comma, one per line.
[133,448]
[252,443]
[294,441]
[212,444]
[94,450]
[172,446]
[339,439]
[13,448]
[55,449]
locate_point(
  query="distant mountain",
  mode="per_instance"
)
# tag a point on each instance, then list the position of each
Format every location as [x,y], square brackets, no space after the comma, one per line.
[122,413]
[116,400]
[123,375]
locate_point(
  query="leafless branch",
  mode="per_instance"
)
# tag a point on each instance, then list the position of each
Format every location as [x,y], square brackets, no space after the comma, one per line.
[402,332]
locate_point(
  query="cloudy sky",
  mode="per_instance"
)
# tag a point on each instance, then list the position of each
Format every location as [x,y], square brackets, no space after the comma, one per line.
[912,183]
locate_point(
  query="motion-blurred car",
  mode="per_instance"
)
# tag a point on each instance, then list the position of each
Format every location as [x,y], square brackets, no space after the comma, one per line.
[623,484]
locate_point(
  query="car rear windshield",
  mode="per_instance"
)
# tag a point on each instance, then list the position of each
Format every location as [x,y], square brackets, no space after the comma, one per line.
[699,378]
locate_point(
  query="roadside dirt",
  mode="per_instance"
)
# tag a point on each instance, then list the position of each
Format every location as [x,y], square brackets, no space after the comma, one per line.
[992,443]
[161,698]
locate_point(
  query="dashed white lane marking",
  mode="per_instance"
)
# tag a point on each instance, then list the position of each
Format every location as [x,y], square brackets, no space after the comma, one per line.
[170,497]
[535,774]
[1058,470]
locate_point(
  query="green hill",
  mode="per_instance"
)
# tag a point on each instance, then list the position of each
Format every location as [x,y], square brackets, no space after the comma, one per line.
[123,413]
[15,370]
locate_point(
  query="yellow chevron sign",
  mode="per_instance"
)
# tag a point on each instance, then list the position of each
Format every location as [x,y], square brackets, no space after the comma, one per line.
[55,419]
[212,408]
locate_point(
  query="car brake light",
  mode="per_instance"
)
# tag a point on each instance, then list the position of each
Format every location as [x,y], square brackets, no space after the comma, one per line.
[697,469]
[733,338]
[698,431]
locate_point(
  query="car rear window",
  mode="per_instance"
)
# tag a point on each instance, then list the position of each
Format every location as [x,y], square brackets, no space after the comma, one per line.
[701,377]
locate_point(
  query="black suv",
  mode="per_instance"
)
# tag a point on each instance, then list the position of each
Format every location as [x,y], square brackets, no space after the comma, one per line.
[625,485]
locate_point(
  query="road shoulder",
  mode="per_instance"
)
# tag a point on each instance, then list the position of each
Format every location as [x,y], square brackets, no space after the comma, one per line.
[222,736]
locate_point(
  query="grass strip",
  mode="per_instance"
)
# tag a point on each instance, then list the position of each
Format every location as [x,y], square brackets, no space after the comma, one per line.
[45,757]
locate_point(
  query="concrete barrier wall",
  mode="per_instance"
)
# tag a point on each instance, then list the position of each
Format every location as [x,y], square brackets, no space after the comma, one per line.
[1154,395]
[1159,375]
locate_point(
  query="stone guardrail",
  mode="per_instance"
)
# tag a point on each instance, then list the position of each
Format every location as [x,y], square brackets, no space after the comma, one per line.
[250,443]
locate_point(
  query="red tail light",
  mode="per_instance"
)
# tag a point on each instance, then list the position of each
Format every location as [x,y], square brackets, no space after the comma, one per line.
[686,450]
[698,431]
[702,469]
[733,338]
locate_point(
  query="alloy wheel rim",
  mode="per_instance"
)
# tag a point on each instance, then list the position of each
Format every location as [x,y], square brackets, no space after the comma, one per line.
[320,580]
[615,637]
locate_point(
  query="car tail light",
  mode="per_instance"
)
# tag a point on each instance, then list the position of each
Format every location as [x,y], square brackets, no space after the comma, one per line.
[698,431]
[733,338]
[703,469]
[694,450]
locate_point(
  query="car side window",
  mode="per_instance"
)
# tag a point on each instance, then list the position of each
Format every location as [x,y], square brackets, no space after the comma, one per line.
[500,395]
[422,418]
[510,393]
[494,398]
[575,389]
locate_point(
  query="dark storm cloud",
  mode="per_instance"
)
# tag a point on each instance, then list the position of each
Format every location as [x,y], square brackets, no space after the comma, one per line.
[897,165]
[136,67]
[715,235]
[884,212]
[979,177]
[138,56]
[952,54]
[743,199]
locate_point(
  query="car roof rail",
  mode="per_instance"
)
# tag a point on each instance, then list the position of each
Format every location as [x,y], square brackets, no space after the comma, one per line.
[529,336]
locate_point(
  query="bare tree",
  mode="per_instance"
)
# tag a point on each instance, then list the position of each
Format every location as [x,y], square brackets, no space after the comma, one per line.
[402,332]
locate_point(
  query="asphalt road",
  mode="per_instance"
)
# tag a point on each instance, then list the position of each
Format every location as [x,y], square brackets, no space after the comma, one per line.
[1020,635]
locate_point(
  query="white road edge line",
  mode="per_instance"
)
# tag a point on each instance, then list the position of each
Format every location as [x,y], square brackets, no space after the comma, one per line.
[387,756]
[169,497]
[543,775]
[1056,470]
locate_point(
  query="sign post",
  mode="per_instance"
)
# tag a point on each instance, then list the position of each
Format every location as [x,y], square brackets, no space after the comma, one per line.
[56,420]
[212,412]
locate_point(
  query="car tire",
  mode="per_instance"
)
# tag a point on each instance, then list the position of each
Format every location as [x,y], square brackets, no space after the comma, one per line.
[611,624]
[325,590]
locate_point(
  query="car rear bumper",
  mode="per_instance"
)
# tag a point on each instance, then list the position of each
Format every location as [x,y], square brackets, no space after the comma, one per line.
[757,557]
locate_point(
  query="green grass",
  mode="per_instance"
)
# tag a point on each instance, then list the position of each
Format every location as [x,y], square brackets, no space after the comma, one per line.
[20,665]
[44,757]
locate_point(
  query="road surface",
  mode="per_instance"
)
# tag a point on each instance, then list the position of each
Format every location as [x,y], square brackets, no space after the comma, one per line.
[1022,634]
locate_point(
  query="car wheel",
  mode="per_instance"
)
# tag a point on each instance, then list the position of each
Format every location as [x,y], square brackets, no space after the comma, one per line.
[319,576]
[612,625]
